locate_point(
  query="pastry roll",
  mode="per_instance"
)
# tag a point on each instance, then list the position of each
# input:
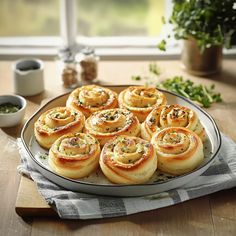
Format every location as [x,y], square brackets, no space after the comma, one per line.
[107,124]
[56,122]
[179,150]
[171,116]
[91,98]
[74,155]
[128,160]
[141,100]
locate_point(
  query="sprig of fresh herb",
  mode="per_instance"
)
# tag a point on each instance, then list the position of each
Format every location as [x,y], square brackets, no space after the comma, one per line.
[200,94]
[153,68]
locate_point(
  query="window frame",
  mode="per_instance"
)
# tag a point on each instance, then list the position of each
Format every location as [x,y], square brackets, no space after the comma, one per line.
[108,48]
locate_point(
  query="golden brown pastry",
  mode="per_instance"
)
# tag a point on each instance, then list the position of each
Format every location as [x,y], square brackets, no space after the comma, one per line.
[74,155]
[128,160]
[107,124]
[141,100]
[56,122]
[91,98]
[179,150]
[171,116]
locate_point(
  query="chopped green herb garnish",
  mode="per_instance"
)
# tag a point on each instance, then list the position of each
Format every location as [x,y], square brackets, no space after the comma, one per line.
[137,78]
[202,95]
[43,156]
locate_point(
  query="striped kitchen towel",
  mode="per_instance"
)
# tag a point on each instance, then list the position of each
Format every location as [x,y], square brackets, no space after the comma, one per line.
[74,205]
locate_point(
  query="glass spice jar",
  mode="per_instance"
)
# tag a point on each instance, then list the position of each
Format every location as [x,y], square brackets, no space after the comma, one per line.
[67,69]
[88,64]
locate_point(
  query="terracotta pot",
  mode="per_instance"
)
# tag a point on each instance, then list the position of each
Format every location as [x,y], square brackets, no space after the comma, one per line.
[209,62]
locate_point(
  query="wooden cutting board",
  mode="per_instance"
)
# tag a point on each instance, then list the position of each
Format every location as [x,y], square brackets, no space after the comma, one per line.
[29,202]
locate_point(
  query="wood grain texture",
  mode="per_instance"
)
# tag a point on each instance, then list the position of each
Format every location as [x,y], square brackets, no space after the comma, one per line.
[223,204]
[224,226]
[210,215]
[29,202]
[174,220]
[10,222]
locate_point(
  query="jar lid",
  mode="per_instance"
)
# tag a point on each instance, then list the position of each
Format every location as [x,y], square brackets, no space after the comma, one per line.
[87,51]
[66,55]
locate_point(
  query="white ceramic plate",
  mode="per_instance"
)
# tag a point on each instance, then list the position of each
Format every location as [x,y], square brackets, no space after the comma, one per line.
[97,183]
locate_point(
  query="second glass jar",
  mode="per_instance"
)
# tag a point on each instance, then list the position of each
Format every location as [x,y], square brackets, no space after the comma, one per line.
[87,62]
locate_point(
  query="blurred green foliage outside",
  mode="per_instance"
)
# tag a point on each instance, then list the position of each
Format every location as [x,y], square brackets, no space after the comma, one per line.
[94,17]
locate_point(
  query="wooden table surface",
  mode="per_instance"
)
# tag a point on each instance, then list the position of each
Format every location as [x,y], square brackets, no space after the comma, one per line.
[209,215]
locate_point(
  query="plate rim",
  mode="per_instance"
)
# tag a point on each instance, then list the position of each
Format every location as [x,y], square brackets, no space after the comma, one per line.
[216,129]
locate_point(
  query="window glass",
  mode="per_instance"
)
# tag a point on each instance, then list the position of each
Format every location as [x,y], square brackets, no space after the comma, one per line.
[119,17]
[29,18]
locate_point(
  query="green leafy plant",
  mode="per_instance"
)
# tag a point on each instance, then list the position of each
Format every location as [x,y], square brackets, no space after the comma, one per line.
[209,22]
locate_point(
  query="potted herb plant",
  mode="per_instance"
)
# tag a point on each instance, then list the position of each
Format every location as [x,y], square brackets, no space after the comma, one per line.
[206,26]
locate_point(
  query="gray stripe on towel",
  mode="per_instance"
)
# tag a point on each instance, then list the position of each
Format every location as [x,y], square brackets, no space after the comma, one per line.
[219,169]
[67,208]
[175,196]
[112,207]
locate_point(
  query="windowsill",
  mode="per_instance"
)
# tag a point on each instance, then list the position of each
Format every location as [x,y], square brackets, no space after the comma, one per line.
[107,48]
[50,53]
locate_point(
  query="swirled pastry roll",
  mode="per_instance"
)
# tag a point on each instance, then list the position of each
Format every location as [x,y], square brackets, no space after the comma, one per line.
[56,122]
[141,100]
[171,116]
[128,160]
[91,98]
[107,124]
[74,155]
[179,150]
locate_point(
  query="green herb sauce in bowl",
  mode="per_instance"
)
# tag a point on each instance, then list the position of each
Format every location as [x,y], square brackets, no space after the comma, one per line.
[12,110]
[8,107]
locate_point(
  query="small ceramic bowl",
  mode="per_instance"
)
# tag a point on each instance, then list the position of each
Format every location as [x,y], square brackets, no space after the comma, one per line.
[14,118]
